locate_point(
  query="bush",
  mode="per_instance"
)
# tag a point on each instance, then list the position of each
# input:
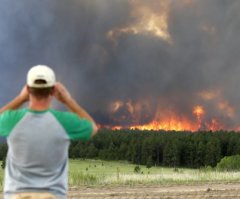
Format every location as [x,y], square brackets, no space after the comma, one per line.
[230,163]
[149,163]
[137,169]
[3,163]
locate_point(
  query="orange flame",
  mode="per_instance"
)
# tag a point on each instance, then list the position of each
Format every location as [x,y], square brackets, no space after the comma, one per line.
[199,112]
[169,124]
[214,125]
[167,120]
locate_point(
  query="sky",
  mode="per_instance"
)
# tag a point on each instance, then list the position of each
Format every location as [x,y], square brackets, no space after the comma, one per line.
[129,62]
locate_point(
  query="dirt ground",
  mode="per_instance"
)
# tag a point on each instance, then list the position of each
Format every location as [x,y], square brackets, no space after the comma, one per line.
[209,191]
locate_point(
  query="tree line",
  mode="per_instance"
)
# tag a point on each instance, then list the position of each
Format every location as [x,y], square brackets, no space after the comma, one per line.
[159,148]
[156,148]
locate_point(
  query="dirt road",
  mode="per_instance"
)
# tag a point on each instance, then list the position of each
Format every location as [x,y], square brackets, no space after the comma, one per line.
[209,191]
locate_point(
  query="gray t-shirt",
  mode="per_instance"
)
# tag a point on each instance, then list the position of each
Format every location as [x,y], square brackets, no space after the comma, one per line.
[38,142]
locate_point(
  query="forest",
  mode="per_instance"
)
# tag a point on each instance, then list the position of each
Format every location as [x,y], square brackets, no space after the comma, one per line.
[156,148]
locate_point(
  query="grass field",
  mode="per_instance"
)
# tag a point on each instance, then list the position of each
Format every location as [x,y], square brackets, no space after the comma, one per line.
[98,173]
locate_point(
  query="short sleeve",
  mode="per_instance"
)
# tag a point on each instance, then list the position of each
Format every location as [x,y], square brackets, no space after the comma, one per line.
[76,127]
[8,121]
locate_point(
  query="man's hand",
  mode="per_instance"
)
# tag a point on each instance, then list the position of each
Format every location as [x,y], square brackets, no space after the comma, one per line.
[24,94]
[61,93]
[17,101]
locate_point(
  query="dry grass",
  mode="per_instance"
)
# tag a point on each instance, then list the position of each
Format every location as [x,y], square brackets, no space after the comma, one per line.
[98,173]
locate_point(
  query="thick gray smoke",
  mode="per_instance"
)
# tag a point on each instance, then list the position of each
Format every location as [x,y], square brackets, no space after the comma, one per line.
[71,37]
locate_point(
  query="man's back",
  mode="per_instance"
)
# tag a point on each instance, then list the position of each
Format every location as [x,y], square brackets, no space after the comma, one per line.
[38,150]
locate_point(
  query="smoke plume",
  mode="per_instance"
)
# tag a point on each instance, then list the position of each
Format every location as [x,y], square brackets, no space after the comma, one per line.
[129,62]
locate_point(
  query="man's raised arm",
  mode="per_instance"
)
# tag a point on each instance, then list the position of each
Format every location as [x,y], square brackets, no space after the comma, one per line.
[63,95]
[17,101]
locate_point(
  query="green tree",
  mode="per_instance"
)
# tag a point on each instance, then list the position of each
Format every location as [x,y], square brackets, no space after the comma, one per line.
[137,152]
[200,154]
[112,155]
[213,152]
[123,151]
[3,151]
[188,153]
[75,152]
[147,151]
[171,154]
[149,162]
[92,152]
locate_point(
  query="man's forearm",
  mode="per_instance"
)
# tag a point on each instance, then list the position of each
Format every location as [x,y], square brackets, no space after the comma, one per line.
[76,108]
[14,104]
[62,94]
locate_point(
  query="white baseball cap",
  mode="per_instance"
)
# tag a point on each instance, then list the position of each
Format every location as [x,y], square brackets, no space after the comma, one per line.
[41,72]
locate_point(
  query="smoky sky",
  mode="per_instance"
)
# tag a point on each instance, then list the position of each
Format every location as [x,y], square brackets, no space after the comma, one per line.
[71,37]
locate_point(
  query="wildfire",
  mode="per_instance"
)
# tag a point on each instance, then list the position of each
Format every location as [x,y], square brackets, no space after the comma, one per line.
[175,124]
[115,106]
[146,21]
[214,125]
[220,103]
[199,112]
[138,115]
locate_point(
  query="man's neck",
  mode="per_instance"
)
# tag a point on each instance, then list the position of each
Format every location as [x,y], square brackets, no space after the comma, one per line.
[39,105]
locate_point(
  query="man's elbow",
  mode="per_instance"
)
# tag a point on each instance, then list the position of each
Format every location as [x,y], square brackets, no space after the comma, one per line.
[95,130]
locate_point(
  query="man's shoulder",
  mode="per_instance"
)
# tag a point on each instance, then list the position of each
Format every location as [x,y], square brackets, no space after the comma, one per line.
[76,127]
[62,114]
[13,113]
[65,117]
[9,119]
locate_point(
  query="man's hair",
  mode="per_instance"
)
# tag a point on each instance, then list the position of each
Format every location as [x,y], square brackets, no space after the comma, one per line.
[41,93]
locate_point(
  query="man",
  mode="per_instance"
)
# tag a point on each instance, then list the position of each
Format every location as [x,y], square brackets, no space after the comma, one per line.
[38,137]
